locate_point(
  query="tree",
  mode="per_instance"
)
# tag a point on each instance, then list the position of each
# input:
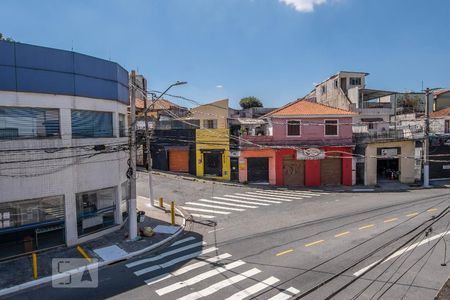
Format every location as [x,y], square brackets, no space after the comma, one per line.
[8,39]
[249,102]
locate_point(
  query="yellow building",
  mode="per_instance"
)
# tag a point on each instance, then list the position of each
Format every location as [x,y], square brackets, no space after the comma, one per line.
[212,139]
[213,153]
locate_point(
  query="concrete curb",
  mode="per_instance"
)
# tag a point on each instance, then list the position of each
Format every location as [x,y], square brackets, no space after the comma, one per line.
[268,187]
[40,281]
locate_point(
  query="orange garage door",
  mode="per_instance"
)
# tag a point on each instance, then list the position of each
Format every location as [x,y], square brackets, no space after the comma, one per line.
[179,160]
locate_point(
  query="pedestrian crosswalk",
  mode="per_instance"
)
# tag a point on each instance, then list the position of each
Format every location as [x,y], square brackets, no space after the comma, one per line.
[189,270]
[239,202]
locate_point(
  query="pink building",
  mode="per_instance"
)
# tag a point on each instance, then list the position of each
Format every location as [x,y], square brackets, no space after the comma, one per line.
[310,144]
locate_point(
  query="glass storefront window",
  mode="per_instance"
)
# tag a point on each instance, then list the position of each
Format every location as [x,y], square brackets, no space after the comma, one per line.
[29,212]
[28,122]
[95,210]
[89,124]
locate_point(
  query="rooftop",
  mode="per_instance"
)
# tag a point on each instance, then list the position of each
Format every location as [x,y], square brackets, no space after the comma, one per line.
[301,107]
[441,113]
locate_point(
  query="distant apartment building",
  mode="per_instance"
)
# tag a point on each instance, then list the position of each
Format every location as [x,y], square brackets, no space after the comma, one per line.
[385,150]
[63,142]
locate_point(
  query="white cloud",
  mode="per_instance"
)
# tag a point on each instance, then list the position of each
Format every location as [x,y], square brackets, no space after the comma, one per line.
[219,86]
[303,5]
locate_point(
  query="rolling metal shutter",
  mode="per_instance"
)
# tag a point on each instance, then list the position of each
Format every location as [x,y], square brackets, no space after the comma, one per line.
[258,169]
[179,160]
[331,171]
[293,171]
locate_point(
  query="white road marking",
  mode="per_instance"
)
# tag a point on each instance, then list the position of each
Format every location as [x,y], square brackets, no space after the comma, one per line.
[220,285]
[165,254]
[284,296]
[266,196]
[215,206]
[215,230]
[308,193]
[288,194]
[203,216]
[227,203]
[241,201]
[254,289]
[188,268]
[206,210]
[252,199]
[174,261]
[198,278]
[183,241]
[401,251]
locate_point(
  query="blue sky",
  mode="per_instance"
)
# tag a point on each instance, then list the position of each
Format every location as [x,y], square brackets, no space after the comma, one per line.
[273,49]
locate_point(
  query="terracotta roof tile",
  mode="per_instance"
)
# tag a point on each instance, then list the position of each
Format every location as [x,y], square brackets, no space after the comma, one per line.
[440,92]
[303,107]
[160,104]
[445,112]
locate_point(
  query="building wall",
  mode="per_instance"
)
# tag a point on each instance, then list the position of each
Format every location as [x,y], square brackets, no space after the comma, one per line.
[313,129]
[210,139]
[269,153]
[407,163]
[312,167]
[335,96]
[163,140]
[63,176]
[30,68]
[216,110]
[442,101]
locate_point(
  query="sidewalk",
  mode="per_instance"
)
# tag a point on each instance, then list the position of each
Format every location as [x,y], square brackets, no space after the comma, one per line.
[380,188]
[17,274]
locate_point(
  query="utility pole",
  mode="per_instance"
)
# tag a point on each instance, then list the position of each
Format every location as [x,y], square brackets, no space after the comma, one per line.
[132,215]
[147,144]
[426,141]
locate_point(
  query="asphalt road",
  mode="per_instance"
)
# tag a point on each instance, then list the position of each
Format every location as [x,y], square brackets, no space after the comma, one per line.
[256,243]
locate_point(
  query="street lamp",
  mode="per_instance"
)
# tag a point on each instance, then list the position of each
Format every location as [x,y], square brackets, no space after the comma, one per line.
[147,136]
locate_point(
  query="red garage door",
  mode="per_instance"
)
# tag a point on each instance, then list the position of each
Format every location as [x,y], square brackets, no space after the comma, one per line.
[179,160]
[331,171]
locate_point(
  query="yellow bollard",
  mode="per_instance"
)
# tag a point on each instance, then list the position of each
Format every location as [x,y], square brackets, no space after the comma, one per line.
[161,202]
[35,271]
[172,212]
[83,253]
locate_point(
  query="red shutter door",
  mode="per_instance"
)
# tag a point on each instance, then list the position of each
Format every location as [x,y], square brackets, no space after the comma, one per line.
[179,160]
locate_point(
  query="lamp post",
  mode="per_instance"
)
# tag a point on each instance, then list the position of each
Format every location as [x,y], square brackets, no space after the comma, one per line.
[147,137]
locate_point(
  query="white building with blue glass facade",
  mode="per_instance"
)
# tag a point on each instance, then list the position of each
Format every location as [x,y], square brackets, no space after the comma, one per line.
[63,147]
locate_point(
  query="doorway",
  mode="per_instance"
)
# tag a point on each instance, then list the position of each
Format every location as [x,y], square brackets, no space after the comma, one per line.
[212,163]
[258,169]
[388,169]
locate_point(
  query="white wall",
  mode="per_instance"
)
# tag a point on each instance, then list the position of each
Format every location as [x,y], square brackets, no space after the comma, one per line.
[68,176]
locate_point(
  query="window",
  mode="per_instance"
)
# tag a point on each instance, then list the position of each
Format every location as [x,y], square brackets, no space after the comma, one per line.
[331,127]
[355,81]
[210,124]
[447,126]
[27,122]
[95,210]
[122,129]
[21,213]
[323,89]
[336,83]
[293,128]
[371,125]
[91,124]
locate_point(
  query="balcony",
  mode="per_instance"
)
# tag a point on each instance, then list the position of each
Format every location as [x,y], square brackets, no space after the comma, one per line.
[389,135]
